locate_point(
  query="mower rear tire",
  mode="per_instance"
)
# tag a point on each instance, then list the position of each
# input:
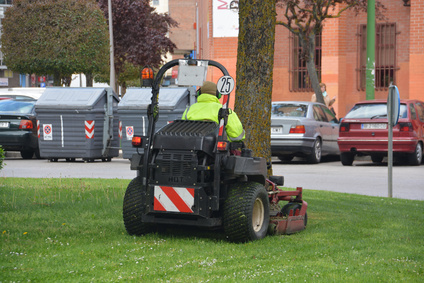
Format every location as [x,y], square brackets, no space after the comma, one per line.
[133,209]
[246,212]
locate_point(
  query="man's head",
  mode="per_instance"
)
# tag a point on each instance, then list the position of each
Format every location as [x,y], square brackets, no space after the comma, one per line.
[210,88]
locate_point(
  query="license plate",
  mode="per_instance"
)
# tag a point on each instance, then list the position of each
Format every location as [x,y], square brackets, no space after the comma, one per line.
[4,124]
[276,130]
[374,126]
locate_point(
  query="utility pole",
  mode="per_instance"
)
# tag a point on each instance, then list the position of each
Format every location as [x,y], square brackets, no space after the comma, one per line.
[370,67]
[112,56]
[197,31]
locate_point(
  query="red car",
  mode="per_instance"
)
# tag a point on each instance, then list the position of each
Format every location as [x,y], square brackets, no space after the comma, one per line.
[364,131]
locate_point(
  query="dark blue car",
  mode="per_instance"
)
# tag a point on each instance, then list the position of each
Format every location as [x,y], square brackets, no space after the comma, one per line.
[18,127]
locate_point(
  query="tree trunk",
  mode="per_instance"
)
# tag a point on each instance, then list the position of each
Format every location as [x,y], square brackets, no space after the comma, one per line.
[66,80]
[89,80]
[123,89]
[309,50]
[57,79]
[255,64]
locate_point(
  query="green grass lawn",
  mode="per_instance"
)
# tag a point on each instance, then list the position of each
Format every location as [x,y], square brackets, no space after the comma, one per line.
[71,230]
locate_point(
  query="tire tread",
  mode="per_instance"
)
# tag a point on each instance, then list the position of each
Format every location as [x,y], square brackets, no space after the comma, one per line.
[133,208]
[238,212]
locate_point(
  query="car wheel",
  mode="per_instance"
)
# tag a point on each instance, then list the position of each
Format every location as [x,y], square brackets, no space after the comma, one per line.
[416,157]
[347,158]
[377,158]
[27,154]
[37,153]
[315,157]
[285,158]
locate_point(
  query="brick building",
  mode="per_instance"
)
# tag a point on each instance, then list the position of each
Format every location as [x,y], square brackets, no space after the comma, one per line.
[341,50]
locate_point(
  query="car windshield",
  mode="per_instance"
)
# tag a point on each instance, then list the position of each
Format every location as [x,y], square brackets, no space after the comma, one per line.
[289,110]
[373,111]
[16,107]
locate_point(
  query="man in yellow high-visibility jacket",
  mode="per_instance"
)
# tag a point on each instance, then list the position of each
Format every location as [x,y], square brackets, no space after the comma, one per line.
[207,108]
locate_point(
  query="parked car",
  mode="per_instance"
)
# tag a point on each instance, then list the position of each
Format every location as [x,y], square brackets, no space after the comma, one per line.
[364,131]
[18,127]
[304,129]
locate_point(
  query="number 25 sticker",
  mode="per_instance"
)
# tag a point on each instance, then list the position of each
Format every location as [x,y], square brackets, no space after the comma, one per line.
[225,85]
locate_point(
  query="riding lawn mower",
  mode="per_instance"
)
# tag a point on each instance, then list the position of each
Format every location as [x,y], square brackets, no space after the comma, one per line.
[187,174]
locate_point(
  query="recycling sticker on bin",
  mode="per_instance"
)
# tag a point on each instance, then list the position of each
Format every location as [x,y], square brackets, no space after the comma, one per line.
[47,132]
[130,132]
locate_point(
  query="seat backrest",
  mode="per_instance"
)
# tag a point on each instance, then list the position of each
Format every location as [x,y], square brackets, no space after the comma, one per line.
[187,135]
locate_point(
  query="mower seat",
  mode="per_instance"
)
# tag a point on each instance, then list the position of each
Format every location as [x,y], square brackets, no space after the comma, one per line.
[187,135]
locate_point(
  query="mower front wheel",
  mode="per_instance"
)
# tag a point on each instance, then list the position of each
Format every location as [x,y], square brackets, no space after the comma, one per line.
[246,212]
[133,208]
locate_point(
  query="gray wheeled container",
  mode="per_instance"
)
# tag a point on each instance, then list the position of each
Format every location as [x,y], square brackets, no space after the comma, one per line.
[132,110]
[78,123]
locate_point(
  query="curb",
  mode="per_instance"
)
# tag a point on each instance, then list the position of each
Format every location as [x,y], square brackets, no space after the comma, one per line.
[12,154]
[17,154]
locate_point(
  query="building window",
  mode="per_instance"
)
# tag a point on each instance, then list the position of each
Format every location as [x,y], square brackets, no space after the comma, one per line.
[6,2]
[385,56]
[155,2]
[299,78]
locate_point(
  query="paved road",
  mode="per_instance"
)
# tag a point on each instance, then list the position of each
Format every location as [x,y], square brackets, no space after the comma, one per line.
[362,178]
[118,168]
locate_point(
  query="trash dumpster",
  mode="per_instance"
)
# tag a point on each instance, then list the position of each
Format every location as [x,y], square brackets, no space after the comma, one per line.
[132,111]
[78,123]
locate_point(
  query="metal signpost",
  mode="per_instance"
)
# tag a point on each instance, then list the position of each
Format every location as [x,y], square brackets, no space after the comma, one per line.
[393,108]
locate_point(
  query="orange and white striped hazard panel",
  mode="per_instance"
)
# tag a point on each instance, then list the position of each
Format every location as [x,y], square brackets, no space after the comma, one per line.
[120,130]
[174,199]
[89,129]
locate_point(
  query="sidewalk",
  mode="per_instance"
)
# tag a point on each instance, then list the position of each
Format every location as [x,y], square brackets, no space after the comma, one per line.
[17,154]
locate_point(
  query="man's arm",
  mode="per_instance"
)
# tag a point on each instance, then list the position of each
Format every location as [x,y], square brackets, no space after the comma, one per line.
[235,131]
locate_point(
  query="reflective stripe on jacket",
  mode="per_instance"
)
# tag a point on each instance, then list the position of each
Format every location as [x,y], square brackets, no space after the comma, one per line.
[207,108]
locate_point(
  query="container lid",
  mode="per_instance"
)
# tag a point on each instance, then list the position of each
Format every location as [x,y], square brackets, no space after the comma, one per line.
[71,97]
[140,98]
[22,92]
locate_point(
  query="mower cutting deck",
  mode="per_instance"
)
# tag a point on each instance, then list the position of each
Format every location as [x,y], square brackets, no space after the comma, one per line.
[292,217]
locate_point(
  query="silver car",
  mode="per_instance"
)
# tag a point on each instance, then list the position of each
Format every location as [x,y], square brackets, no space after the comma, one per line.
[304,129]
